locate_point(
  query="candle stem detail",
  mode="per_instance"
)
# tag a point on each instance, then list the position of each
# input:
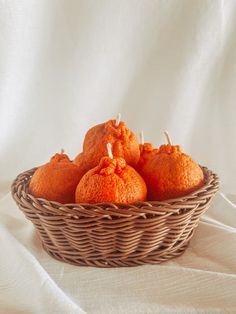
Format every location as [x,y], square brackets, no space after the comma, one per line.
[168,137]
[141,136]
[118,120]
[109,150]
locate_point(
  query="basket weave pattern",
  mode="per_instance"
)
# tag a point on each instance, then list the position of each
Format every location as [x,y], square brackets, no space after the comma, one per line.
[114,235]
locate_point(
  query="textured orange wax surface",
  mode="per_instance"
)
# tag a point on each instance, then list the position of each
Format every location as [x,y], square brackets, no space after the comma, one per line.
[111,181]
[56,180]
[146,152]
[123,140]
[171,173]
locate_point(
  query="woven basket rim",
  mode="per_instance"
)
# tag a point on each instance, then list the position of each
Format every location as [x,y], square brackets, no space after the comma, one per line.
[20,194]
[115,235]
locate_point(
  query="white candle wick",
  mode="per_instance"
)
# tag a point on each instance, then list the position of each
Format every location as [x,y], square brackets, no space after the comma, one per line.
[118,120]
[109,150]
[62,151]
[168,137]
[141,135]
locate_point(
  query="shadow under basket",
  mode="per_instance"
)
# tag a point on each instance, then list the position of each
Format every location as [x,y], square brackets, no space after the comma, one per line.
[115,235]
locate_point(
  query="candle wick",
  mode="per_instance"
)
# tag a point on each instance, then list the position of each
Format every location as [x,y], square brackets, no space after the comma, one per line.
[141,136]
[168,137]
[62,151]
[109,150]
[118,117]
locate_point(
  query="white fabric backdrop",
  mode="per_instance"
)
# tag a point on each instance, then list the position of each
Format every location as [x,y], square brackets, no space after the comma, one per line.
[67,65]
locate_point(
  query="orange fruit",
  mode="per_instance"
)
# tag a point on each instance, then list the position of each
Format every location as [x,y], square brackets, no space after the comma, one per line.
[171,173]
[56,180]
[146,152]
[123,140]
[111,181]
[81,162]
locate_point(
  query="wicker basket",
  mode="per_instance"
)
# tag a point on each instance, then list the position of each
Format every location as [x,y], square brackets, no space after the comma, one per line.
[114,235]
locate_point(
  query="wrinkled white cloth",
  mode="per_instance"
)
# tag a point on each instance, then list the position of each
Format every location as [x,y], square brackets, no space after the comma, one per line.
[202,280]
[66,65]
